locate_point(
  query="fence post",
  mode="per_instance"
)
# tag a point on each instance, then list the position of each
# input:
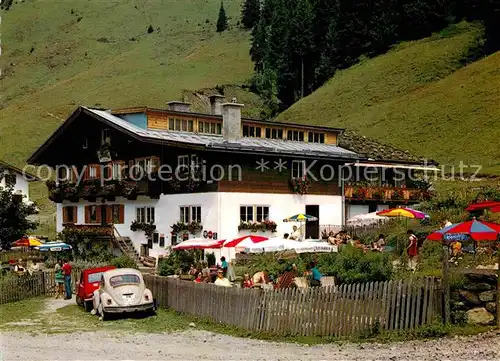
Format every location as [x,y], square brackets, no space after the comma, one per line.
[446,285]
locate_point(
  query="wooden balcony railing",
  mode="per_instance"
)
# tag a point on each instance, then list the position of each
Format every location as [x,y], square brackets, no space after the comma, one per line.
[91,189]
[96,230]
[374,193]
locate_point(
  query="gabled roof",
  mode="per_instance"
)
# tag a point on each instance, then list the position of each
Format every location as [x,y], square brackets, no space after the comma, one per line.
[30,177]
[206,141]
[379,152]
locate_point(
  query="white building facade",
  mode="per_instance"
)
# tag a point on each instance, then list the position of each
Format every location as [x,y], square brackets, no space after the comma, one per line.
[19,180]
[104,142]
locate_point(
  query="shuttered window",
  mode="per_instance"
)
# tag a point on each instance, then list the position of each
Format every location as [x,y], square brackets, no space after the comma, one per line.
[70,214]
[92,214]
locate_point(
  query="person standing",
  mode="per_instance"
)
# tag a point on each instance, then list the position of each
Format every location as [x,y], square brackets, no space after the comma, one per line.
[412,250]
[224,265]
[66,268]
[59,278]
[295,234]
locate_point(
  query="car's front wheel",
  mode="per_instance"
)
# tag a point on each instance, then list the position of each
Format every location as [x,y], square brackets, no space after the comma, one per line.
[79,301]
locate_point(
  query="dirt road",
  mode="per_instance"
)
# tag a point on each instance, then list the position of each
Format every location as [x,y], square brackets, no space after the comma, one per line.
[200,345]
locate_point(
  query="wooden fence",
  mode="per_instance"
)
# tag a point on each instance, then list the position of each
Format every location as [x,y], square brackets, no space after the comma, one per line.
[17,288]
[330,311]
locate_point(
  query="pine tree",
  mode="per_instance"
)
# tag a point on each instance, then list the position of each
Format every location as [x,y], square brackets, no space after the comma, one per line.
[222,20]
[250,13]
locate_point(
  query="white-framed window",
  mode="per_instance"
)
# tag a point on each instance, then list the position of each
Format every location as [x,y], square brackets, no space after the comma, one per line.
[190,214]
[296,135]
[209,127]
[93,171]
[196,161]
[316,137]
[105,135]
[257,213]
[298,168]
[183,162]
[116,170]
[145,214]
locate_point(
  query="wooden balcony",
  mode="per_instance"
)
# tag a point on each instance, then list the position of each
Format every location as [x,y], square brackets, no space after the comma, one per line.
[92,230]
[365,192]
[92,189]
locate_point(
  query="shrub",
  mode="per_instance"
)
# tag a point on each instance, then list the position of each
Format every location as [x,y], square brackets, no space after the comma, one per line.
[353,265]
[123,262]
[178,261]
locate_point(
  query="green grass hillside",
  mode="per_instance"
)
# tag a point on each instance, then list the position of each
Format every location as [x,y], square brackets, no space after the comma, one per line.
[419,97]
[60,54]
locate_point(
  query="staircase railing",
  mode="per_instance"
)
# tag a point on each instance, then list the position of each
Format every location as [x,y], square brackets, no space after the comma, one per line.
[119,241]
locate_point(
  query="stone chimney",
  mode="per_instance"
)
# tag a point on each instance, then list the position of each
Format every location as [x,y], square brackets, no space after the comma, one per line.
[178,106]
[215,104]
[231,121]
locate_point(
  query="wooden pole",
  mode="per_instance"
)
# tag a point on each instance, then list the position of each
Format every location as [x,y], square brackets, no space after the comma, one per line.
[446,285]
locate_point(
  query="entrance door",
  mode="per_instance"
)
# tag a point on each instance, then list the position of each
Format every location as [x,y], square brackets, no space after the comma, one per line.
[104,215]
[312,227]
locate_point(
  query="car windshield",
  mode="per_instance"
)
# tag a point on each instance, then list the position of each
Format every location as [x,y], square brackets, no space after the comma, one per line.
[94,277]
[116,281]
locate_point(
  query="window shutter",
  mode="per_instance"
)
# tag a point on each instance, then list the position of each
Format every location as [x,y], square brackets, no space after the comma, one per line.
[122,213]
[130,165]
[98,171]
[109,214]
[86,173]
[65,214]
[75,214]
[87,214]
[74,174]
[155,163]
[98,214]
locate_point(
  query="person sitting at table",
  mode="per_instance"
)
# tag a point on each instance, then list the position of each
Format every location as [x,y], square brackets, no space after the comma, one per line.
[332,239]
[295,234]
[192,271]
[342,237]
[247,281]
[314,275]
[222,280]
[259,278]
[286,280]
[19,267]
[199,278]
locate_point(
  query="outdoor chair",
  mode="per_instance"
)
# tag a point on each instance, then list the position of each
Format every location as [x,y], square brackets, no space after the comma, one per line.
[301,282]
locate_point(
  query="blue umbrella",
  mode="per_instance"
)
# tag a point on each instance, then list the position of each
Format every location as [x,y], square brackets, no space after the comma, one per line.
[54,247]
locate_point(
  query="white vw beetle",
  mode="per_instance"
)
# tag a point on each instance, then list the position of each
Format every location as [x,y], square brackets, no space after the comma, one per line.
[121,291]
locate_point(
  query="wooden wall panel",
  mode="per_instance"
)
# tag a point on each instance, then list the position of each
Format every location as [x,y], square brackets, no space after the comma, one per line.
[254,181]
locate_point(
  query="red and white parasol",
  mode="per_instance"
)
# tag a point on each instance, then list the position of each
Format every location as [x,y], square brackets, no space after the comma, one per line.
[199,243]
[245,241]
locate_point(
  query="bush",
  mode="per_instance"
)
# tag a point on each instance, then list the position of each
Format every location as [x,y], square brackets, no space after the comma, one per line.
[352,265]
[123,262]
[178,261]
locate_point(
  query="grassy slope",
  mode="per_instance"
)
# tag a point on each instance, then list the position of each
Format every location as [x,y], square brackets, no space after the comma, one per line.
[415,98]
[94,62]
[69,66]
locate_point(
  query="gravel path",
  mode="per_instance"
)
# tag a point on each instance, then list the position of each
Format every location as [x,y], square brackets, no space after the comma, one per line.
[200,345]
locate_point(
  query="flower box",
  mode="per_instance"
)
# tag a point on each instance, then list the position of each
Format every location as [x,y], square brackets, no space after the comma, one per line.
[265,226]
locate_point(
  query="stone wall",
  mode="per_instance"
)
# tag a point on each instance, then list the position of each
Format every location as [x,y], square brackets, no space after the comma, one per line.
[476,296]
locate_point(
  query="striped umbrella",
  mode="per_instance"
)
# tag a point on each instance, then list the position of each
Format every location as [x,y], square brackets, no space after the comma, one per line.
[199,243]
[476,230]
[27,242]
[244,241]
[54,247]
[403,212]
[301,217]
